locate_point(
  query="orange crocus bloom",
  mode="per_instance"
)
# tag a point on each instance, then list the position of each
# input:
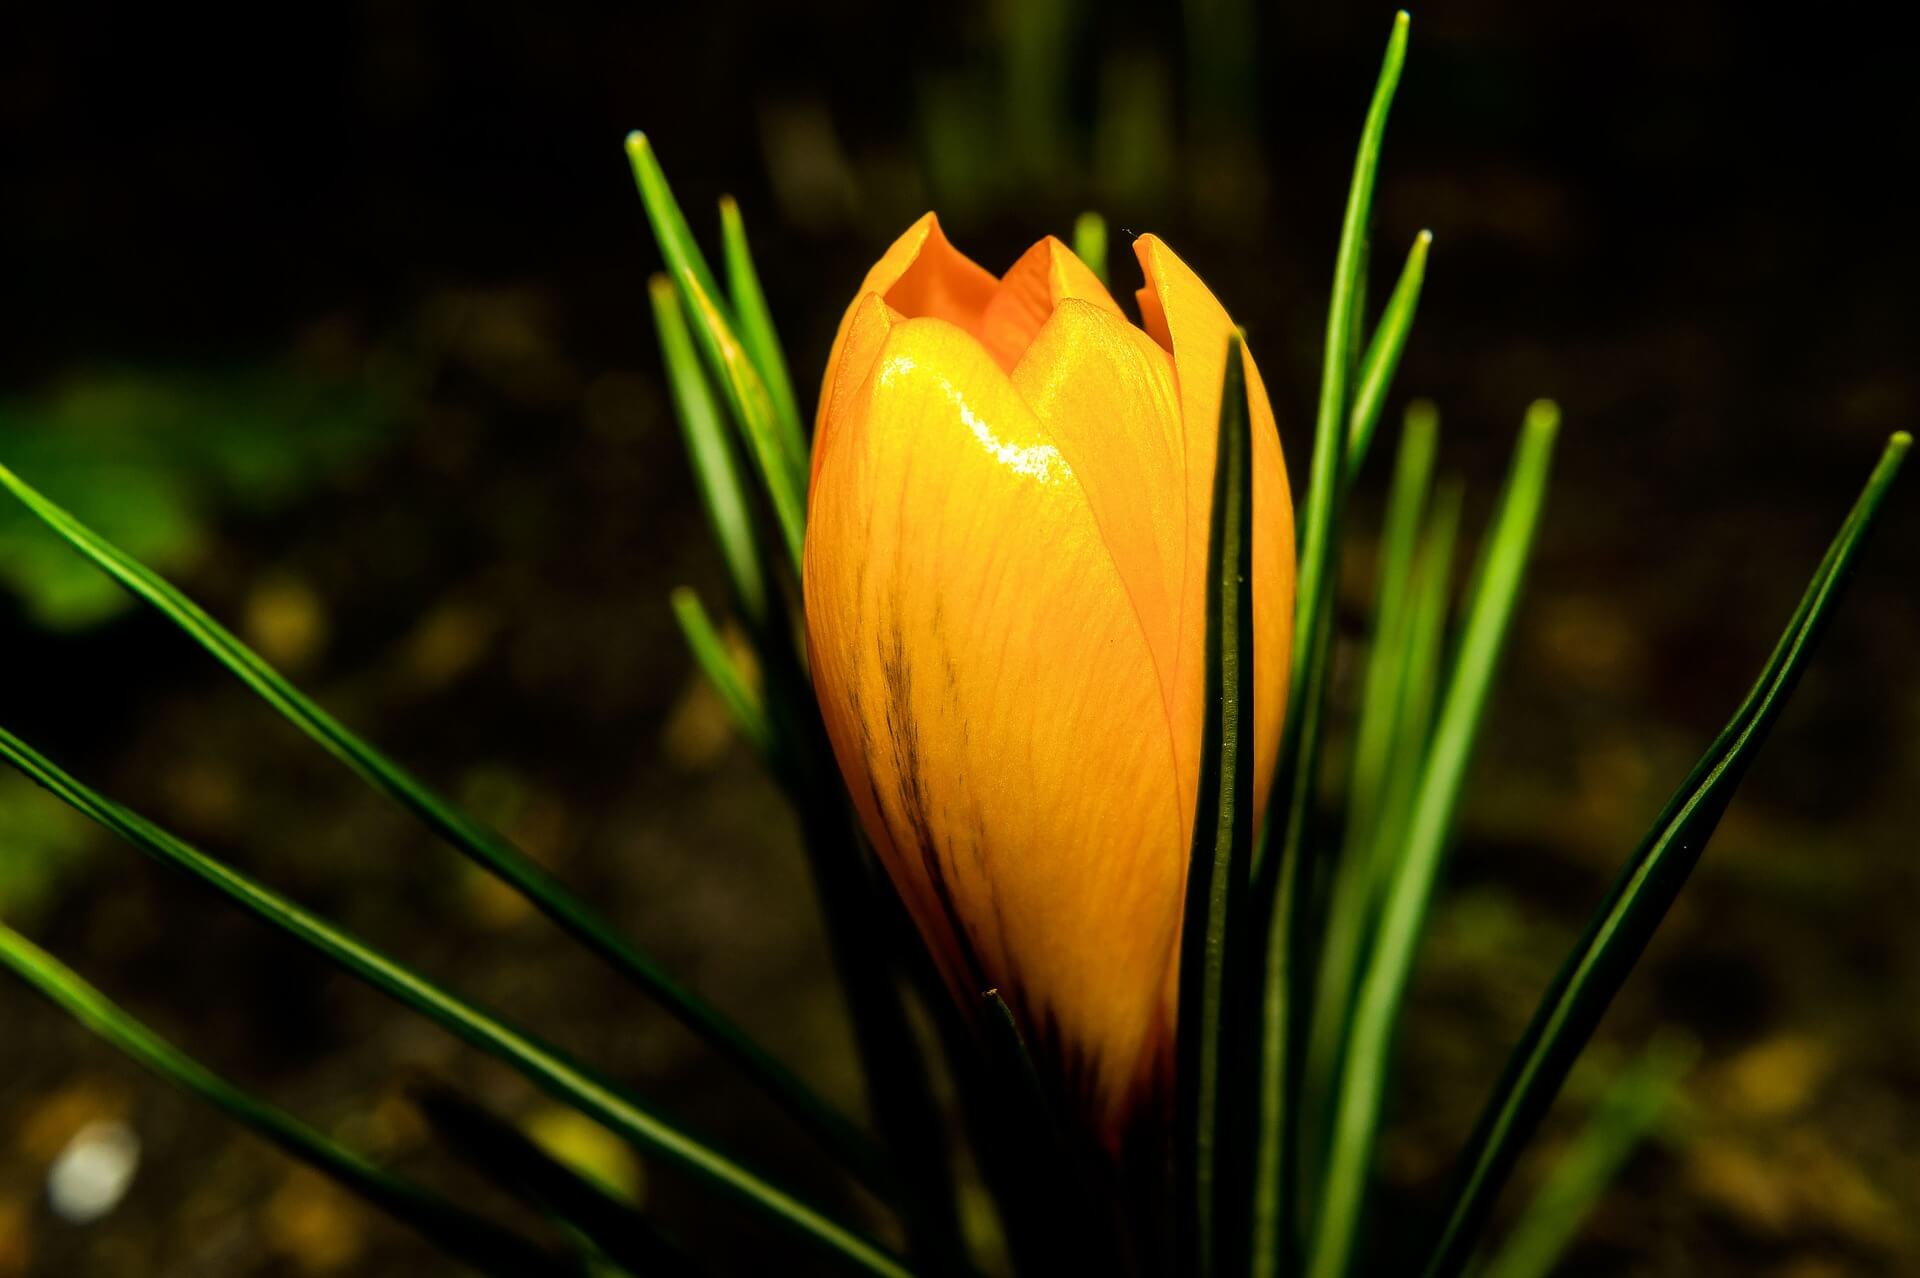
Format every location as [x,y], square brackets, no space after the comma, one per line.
[1005,560]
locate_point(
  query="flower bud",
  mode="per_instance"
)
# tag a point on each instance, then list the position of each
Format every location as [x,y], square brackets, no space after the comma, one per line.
[1005,594]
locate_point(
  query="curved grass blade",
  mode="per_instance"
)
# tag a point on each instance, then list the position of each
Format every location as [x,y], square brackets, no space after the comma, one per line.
[716,471]
[477,1242]
[1490,608]
[1627,1113]
[781,468]
[1281,876]
[1090,242]
[757,332]
[1213,941]
[1378,365]
[470,837]
[1625,921]
[710,651]
[544,1066]
[506,1155]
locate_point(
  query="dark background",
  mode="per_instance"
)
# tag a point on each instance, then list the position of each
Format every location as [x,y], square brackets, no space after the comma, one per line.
[340,320]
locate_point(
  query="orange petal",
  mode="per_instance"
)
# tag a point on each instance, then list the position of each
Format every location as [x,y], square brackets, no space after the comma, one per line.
[1107,396]
[994,706]
[1046,275]
[1185,317]
[921,273]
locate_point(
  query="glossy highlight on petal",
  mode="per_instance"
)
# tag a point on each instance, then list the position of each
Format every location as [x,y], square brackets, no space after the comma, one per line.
[1002,595]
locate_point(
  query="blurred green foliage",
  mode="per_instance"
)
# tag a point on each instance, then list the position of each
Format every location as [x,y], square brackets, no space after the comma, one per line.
[152,458]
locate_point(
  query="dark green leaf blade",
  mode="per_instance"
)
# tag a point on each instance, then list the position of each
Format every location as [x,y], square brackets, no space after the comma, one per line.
[1280,874]
[1213,941]
[465,833]
[1489,613]
[1647,885]
[1630,1109]
[478,1242]
[710,652]
[559,1076]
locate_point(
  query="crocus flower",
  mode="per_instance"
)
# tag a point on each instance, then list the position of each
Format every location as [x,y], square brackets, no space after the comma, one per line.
[1005,560]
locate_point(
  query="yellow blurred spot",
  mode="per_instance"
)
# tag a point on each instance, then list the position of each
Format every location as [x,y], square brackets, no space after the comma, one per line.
[286,620]
[588,1148]
[1740,1182]
[1777,1076]
[313,1224]
[447,643]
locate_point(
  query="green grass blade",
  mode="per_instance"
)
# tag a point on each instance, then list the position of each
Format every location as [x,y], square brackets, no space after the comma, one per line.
[544,1066]
[1378,365]
[480,1243]
[757,332]
[1350,902]
[782,471]
[483,845]
[506,1155]
[1490,608]
[1281,877]
[1647,885]
[1581,1175]
[1419,690]
[716,470]
[1090,242]
[1213,941]
[710,651]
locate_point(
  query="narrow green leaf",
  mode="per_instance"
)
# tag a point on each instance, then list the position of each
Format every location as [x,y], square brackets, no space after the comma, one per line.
[1348,927]
[1419,690]
[1213,942]
[547,1068]
[1383,355]
[475,1241]
[1651,879]
[1282,877]
[710,651]
[757,331]
[469,836]
[1627,1113]
[782,472]
[1090,242]
[506,1155]
[716,471]
[1489,614]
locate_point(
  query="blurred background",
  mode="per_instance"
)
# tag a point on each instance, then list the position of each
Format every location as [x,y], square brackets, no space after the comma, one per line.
[339,320]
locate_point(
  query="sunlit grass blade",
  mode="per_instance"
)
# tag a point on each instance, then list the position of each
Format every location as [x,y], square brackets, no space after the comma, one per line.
[544,1066]
[1630,1109]
[509,1157]
[1281,878]
[468,835]
[1214,944]
[757,332]
[1090,242]
[1648,883]
[1382,357]
[1383,983]
[716,469]
[1388,662]
[710,651]
[478,1242]
[781,469]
